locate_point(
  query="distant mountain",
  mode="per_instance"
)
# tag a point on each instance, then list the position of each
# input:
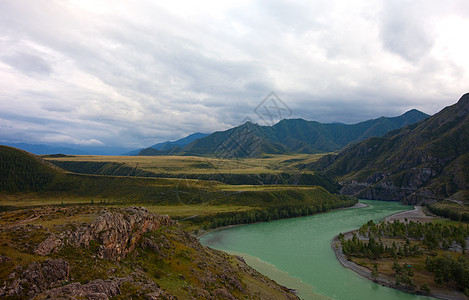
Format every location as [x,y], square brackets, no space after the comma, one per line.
[168,147]
[289,136]
[46,149]
[426,161]
[41,149]
[133,152]
[180,143]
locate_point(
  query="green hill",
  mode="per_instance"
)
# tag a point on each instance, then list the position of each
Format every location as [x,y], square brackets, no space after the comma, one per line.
[288,136]
[42,181]
[426,161]
[22,171]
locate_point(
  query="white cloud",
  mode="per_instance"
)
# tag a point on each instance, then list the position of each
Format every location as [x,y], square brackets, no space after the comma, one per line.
[132,74]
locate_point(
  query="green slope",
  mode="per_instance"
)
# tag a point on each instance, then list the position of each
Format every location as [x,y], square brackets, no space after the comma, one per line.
[28,177]
[22,171]
[258,178]
[424,161]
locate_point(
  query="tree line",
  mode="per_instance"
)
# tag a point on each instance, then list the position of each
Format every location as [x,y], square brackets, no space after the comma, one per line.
[449,213]
[269,213]
[433,235]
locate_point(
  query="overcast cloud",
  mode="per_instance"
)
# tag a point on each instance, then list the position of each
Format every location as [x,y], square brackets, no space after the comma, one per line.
[134,73]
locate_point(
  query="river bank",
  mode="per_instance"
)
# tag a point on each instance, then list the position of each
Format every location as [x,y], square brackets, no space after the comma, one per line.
[417,214]
[201,233]
[301,248]
[365,272]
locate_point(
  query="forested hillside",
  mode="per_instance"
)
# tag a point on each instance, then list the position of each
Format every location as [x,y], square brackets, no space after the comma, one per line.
[21,171]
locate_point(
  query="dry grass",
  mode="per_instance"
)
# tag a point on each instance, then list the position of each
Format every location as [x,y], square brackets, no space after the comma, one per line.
[203,165]
[25,200]
[247,188]
[192,210]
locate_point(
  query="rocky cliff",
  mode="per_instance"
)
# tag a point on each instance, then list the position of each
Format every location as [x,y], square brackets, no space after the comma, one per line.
[98,253]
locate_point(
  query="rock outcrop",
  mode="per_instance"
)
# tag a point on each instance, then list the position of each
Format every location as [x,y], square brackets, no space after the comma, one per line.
[124,252]
[36,278]
[118,233]
[49,245]
[96,289]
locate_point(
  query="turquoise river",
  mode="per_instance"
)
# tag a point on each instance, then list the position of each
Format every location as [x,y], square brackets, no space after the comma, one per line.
[297,252]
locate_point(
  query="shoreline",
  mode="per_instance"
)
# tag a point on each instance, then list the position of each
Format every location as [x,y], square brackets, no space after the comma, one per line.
[416,215]
[412,215]
[365,272]
[205,232]
[298,284]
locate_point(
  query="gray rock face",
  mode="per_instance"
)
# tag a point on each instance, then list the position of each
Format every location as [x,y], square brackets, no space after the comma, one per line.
[118,233]
[36,278]
[96,289]
[113,257]
[51,244]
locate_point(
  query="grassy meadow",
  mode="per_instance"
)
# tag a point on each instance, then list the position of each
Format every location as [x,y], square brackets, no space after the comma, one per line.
[200,165]
[200,192]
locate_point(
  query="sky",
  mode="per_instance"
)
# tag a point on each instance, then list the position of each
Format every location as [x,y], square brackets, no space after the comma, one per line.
[134,73]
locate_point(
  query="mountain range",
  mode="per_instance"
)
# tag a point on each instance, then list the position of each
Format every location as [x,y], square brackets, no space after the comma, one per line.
[428,160]
[250,140]
[40,149]
[287,136]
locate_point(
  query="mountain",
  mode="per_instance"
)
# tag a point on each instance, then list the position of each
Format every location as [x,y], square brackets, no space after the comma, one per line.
[168,147]
[247,140]
[41,149]
[427,161]
[289,136]
[46,149]
[180,143]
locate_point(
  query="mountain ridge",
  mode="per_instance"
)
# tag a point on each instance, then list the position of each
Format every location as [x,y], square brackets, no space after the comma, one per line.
[427,161]
[289,136]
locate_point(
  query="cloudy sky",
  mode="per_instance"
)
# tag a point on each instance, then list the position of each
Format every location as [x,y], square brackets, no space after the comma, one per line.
[133,73]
